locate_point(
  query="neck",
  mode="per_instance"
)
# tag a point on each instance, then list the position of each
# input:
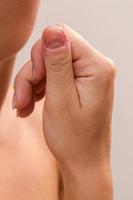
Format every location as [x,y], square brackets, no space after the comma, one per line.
[6,68]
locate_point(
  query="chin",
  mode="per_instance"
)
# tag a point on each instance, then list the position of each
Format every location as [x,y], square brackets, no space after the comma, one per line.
[11,45]
[17,19]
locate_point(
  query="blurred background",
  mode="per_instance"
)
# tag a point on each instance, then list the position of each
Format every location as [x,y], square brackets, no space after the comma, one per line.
[108,26]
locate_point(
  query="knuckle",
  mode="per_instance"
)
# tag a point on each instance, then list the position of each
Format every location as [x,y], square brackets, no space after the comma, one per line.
[111,68]
[35,48]
[58,63]
[24,72]
[17,77]
[108,70]
[17,81]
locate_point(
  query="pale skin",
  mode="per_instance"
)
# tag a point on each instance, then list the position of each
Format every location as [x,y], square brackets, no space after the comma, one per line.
[77,113]
[25,160]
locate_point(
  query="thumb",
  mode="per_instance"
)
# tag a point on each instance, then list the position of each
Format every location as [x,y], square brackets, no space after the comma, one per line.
[58,60]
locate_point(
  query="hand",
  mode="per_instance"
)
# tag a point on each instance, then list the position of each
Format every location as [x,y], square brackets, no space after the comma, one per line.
[78,84]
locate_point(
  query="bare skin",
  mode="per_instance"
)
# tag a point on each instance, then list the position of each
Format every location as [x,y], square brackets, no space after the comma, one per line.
[25,159]
[78,84]
[28,170]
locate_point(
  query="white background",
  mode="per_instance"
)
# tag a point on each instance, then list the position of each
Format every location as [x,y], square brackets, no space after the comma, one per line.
[108,25]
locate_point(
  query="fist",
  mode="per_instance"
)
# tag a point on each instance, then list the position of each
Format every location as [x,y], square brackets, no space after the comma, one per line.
[78,85]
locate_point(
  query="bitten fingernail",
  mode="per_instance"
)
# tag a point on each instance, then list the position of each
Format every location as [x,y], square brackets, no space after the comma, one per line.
[54,37]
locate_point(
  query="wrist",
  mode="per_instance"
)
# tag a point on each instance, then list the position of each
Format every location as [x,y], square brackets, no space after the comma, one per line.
[94,182]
